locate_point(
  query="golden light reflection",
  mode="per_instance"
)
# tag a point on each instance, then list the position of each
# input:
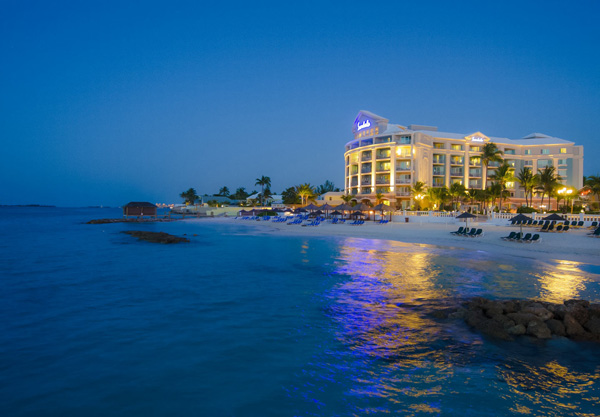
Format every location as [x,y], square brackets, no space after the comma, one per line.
[564,282]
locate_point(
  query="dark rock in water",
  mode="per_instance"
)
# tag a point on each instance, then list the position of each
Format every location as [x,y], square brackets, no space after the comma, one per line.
[593,325]
[517,330]
[572,326]
[522,318]
[578,310]
[538,329]
[156,237]
[556,327]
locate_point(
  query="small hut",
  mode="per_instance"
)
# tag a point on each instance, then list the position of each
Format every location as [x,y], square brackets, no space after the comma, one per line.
[139,208]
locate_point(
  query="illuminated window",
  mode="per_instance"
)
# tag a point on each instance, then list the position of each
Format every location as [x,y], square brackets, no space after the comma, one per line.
[438,145]
[563,150]
[543,163]
[545,152]
[475,148]
[527,151]
[457,147]
[509,151]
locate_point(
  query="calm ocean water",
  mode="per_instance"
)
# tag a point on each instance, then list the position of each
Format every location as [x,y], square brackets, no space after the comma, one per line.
[243,323]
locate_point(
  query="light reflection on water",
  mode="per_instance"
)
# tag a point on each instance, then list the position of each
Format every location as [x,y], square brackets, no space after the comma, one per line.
[384,311]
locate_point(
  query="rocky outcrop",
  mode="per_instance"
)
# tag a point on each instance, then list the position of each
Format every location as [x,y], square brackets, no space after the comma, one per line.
[131,220]
[576,319]
[156,237]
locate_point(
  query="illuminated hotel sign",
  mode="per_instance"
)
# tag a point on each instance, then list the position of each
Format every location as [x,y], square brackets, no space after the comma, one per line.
[477,139]
[363,125]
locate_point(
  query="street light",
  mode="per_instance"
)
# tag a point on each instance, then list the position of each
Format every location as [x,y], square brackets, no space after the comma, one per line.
[565,193]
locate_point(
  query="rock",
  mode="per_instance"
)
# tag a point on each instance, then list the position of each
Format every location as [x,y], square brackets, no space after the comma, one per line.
[559,311]
[509,307]
[538,329]
[522,318]
[556,327]
[517,330]
[493,308]
[458,314]
[487,326]
[593,325]
[572,326]
[155,237]
[504,321]
[578,311]
[541,312]
[594,310]
[582,303]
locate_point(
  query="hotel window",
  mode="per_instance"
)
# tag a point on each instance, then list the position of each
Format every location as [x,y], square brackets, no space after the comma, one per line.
[457,147]
[366,168]
[384,139]
[383,190]
[509,151]
[562,162]
[382,166]
[456,171]
[438,145]
[354,181]
[475,148]
[438,182]
[439,159]
[366,142]
[404,140]
[475,161]
[366,190]
[510,162]
[382,179]
[366,156]
[475,172]
[439,170]
[354,169]
[528,163]
[474,183]
[403,166]
[543,163]
[403,179]
[562,173]
[383,153]
[456,181]
[365,180]
[563,150]
[456,160]
[403,151]
[527,151]
[545,152]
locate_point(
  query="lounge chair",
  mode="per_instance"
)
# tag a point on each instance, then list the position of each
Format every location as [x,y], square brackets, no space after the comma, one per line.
[510,236]
[595,233]
[478,233]
[550,227]
[565,229]
[459,231]
[559,228]
[535,238]
[593,225]
[471,232]
[526,237]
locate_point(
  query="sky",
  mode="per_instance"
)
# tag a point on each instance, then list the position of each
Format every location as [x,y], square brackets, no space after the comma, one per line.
[106,102]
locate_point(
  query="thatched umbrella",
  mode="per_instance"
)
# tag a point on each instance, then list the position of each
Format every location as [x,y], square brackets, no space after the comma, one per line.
[520,218]
[554,217]
[361,207]
[326,207]
[311,206]
[466,216]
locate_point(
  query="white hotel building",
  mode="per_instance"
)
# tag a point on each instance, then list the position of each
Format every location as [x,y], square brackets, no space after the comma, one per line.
[388,159]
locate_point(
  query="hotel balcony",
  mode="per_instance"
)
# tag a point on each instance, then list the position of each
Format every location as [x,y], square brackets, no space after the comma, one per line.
[403,193]
[365,171]
[456,172]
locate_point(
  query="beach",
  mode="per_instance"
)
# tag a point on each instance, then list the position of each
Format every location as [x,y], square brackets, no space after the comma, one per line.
[574,245]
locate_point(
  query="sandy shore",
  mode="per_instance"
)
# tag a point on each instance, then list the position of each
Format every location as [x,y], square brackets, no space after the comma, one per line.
[573,245]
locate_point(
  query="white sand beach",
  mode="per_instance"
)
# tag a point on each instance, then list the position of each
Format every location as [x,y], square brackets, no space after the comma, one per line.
[573,245]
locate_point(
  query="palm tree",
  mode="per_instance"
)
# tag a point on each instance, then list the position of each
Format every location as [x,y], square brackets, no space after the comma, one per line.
[418,191]
[378,198]
[457,191]
[263,182]
[494,192]
[502,176]
[325,187]
[189,196]
[490,153]
[547,182]
[593,181]
[347,198]
[224,191]
[306,192]
[438,195]
[528,181]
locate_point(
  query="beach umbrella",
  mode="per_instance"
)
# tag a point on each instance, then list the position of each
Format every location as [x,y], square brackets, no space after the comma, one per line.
[382,207]
[300,210]
[554,217]
[336,213]
[343,207]
[311,206]
[326,207]
[466,216]
[520,218]
[361,207]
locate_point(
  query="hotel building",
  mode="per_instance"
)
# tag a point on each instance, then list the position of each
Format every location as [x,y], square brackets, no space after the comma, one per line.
[388,159]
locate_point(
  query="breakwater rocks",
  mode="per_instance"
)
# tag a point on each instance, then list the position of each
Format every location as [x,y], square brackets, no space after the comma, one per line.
[156,237]
[575,319]
[134,220]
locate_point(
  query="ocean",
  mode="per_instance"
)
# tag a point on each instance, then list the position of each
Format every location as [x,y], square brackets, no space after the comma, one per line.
[241,322]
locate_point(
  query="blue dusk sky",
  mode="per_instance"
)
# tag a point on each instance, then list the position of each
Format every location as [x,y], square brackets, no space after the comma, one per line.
[105,102]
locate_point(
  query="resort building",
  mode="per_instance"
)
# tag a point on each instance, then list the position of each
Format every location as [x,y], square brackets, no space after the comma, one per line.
[388,159]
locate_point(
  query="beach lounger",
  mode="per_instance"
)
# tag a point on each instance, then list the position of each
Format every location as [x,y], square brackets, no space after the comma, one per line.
[593,225]
[526,237]
[559,228]
[565,229]
[471,232]
[510,236]
[459,231]
[478,233]
[595,233]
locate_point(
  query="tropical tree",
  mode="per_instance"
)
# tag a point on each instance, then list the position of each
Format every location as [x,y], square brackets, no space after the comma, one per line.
[493,192]
[438,195]
[548,180]
[263,182]
[265,195]
[418,192]
[502,176]
[378,198]
[289,196]
[457,192]
[189,196]
[224,191]
[306,192]
[593,182]
[326,187]
[347,198]
[240,194]
[490,153]
[528,181]
[471,194]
